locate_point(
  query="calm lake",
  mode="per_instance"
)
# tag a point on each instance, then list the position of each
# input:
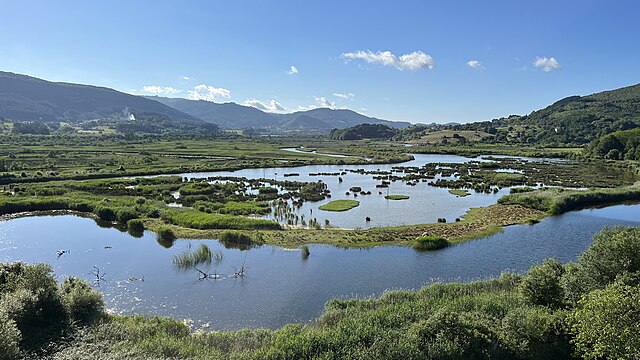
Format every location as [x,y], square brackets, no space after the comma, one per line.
[280,286]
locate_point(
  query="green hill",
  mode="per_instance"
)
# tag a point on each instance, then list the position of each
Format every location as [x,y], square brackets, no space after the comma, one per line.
[575,120]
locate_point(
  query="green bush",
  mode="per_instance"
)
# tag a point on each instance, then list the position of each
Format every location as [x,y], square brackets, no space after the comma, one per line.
[607,323]
[9,338]
[165,233]
[535,333]
[83,304]
[235,237]
[123,215]
[105,213]
[541,286]
[135,226]
[615,252]
[430,242]
[29,297]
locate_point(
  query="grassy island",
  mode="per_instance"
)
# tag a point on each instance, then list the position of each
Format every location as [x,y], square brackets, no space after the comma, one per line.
[340,205]
[459,192]
[397,197]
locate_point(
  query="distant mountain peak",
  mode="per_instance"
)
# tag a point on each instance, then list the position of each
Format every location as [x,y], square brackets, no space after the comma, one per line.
[236,116]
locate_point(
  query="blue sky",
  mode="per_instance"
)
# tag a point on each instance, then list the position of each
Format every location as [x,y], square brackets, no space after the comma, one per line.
[420,61]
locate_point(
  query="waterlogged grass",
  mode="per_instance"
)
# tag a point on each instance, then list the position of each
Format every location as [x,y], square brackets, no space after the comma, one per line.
[397,197]
[459,192]
[340,205]
[558,201]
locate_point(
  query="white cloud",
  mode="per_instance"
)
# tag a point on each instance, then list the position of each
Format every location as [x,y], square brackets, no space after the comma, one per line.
[160,90]
[269,106]
[475,64]
[416,60]
[546,64]
[323,102]
[346,96]
[292,70]
[185,77]
[208,93]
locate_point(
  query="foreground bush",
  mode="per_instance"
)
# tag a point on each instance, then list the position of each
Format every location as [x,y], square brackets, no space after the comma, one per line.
[35,312]
[614,253]
[83,304]
[9,338]
[607,323]
[541,286]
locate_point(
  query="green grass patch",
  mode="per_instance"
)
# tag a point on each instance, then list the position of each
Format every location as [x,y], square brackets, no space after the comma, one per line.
[340,205]
[459,192]
[199,220]
[397,197]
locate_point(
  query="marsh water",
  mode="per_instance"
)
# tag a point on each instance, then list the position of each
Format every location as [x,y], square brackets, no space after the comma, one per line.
[425,205]
[281,286]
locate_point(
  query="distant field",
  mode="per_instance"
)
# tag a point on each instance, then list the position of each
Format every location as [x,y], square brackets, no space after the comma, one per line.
[453,137]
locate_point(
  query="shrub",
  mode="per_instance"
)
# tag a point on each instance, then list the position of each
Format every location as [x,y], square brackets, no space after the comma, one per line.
[125,214]
[615,252]
[450,335]
[430,242]
[135,226]
[541,286]
[164,233]
[606,324]
[105,213]
[535,333]
[29,297]
[235,237]
[83,304]
[9,338]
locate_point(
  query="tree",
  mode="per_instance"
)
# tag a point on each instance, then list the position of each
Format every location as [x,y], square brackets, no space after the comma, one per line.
[608,143]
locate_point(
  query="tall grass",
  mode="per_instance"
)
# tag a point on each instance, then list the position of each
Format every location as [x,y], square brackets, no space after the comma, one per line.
[558,201]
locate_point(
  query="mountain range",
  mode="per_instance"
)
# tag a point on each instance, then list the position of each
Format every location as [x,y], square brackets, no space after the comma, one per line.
[234,116]
[26,98]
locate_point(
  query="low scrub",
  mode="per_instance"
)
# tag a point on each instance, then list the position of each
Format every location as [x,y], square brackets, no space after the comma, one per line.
[430,242]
